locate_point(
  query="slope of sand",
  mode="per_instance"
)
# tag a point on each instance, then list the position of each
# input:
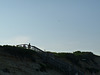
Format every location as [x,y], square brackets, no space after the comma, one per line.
[10,65]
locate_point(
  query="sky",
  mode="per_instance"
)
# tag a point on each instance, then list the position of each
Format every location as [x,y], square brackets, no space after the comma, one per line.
[51,25]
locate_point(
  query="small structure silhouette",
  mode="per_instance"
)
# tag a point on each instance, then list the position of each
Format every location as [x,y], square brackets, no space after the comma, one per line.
[24,46]
[29,46]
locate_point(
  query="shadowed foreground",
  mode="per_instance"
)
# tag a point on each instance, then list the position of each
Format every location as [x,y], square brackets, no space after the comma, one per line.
[21,61]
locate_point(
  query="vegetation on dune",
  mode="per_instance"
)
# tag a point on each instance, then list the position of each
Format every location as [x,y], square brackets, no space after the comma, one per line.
[91,70]
[74,58]
[19,52]
[77,56]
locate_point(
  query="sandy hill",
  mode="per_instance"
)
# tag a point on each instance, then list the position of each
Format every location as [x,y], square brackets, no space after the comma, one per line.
[20,61]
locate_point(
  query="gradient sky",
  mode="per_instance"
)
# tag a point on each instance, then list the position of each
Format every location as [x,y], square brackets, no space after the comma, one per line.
[53,25]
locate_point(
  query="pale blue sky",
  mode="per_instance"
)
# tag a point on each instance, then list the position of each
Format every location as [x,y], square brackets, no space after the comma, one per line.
[54,25]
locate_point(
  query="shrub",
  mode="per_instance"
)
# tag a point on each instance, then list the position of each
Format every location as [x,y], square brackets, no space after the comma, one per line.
[43,68]
[91,70]
[6,70]
[19,52]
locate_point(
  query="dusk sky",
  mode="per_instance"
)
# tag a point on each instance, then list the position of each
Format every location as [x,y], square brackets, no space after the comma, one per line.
[53,25]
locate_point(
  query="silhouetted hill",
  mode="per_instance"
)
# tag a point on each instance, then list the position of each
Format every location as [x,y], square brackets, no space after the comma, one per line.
[86,61]
[20,61]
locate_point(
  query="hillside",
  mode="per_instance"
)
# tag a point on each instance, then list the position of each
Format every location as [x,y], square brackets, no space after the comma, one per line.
[20,61]
[85,61]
